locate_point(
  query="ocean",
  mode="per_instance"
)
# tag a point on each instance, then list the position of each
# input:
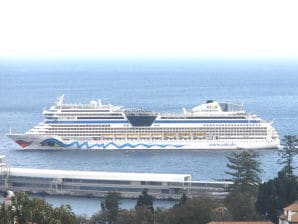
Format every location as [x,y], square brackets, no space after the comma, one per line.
[266,87]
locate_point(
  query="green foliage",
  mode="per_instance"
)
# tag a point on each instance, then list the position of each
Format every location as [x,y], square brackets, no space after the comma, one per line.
[242,206]
[111,205]
[63,214]
[194,211]
[145,200]
[276,194]
[221,213]
[182,200]
[81,220]
[28,209]
[98,218]
[127,217]
[245,170]
[144,208]
[144,215]
[288,153]
[109,209]
[6,214]
[36,210]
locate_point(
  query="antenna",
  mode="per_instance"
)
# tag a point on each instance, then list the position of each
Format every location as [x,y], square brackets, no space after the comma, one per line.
[60,100]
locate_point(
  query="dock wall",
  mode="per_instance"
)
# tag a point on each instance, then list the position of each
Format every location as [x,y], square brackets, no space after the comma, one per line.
[98,184]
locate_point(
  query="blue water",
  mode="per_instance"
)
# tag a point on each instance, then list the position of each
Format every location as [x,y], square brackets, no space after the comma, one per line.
[265,87]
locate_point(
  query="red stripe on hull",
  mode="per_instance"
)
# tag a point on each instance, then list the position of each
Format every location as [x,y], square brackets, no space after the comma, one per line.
[23,143]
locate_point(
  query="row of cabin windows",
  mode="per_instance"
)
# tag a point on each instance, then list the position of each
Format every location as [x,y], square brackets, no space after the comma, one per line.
[154,131]
[154,128]
[208,134]
[84,114]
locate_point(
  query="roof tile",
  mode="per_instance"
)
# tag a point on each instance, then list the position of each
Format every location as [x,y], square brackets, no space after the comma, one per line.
[292,207]
[294,218]
[240,222]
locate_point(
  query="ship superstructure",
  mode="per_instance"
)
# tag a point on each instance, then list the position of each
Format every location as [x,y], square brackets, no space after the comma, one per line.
[213,125]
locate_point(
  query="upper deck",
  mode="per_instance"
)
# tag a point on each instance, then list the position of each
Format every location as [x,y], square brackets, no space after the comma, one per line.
[96,111]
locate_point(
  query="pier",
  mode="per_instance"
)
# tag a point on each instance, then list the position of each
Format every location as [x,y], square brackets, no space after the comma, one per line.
[98,184]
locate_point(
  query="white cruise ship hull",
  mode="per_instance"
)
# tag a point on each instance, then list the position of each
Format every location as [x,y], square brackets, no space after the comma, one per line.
[95,126]
[37,142]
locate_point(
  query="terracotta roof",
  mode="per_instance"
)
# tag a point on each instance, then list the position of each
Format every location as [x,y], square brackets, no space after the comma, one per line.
[294,218]
[240,222]
[292,207]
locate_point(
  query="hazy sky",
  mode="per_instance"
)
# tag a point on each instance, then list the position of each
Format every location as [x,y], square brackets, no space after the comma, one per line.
[153,28]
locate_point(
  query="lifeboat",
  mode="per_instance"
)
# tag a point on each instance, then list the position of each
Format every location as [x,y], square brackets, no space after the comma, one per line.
[120,136]
[96,138]
[145,136]
[107,136]
[199,135]
[157,136]
[170,135]
[132,136]
[184,135]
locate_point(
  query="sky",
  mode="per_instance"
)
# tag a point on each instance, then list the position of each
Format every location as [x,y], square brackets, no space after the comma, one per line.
[152,28]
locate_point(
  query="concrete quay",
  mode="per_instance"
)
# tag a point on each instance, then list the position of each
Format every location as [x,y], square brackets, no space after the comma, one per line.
[98,184]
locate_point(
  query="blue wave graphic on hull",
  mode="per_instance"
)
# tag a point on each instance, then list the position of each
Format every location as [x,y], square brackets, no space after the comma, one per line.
[54,142]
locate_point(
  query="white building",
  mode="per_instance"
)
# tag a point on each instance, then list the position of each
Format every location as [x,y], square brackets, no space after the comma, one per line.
[290,215]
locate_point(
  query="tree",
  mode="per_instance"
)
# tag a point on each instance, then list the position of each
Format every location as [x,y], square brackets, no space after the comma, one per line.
[110,206]
[109,210]
[276,194]
[194,211]
[144,215]
[127,217]
[145,200]
[221,213]
[288,153]
[242,206]
[6,214]
[182,200]
[281,191]
[63,214]
[144,208]
[245,170]
[98,218]
[28,209]
[81,220]
[24,209]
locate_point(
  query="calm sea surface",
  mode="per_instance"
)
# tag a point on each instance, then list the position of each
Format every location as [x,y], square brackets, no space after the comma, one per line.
[268,88]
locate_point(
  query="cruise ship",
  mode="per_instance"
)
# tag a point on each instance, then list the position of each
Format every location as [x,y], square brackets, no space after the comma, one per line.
[212,125]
